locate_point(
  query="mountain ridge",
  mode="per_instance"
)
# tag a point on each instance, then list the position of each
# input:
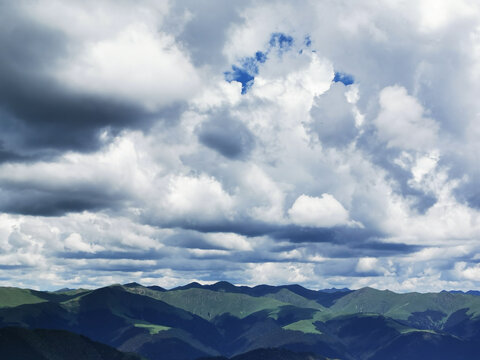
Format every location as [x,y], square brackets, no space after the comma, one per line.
[224,320]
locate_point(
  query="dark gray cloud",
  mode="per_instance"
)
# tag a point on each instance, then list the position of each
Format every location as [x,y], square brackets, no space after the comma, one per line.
[346,242]
[333,121]
[226,135]
[11,156]
[468,191]
[29,200]
[128,268]
[191,240]
[384,157]
[41,117]
[205,34]
[131,254]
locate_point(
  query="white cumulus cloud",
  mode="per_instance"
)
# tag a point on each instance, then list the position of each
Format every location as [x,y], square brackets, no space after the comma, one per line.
[324,211]
[402,121]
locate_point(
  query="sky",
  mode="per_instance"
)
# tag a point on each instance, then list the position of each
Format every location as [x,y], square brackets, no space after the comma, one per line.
[324,143]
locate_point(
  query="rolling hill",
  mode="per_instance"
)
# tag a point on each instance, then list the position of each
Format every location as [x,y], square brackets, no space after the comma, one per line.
[224,320]
[24,344]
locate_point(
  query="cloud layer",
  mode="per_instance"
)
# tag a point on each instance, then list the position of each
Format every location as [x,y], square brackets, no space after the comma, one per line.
[316,143]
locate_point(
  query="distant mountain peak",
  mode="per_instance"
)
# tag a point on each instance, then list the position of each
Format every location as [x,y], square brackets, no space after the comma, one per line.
[156,288]
[132,284]
[335,290]
[192,285]
[222,285]
[469,292]
[65,289]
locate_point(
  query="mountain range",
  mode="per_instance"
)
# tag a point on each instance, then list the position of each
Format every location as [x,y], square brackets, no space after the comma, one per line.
[223,321]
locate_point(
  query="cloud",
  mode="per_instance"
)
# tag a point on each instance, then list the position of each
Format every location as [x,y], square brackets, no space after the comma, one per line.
[152,69]
[276,274]
[436,16]
[230,241]
[265,196]
[333,118]
[227,135]
[59,76]
[197,199]
[206,29]
[74,242]
[74,182]
[350,156]
[324,211]
[401,121]
[248,68]
[467,272]
[367,265]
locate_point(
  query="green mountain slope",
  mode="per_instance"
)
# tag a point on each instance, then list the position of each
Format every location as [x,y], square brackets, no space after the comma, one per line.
[11,297]
[424,345]
[364,334]
[208,303]
[105,314]
[113,315]
[429,311]
[226,320]
[322,297]
[24,344]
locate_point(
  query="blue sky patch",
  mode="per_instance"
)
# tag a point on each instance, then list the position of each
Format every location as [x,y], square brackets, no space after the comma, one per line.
[261,57]
[281,41]
[242,76]
[250,64]
[308,41]
[246,71]
[344,78]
